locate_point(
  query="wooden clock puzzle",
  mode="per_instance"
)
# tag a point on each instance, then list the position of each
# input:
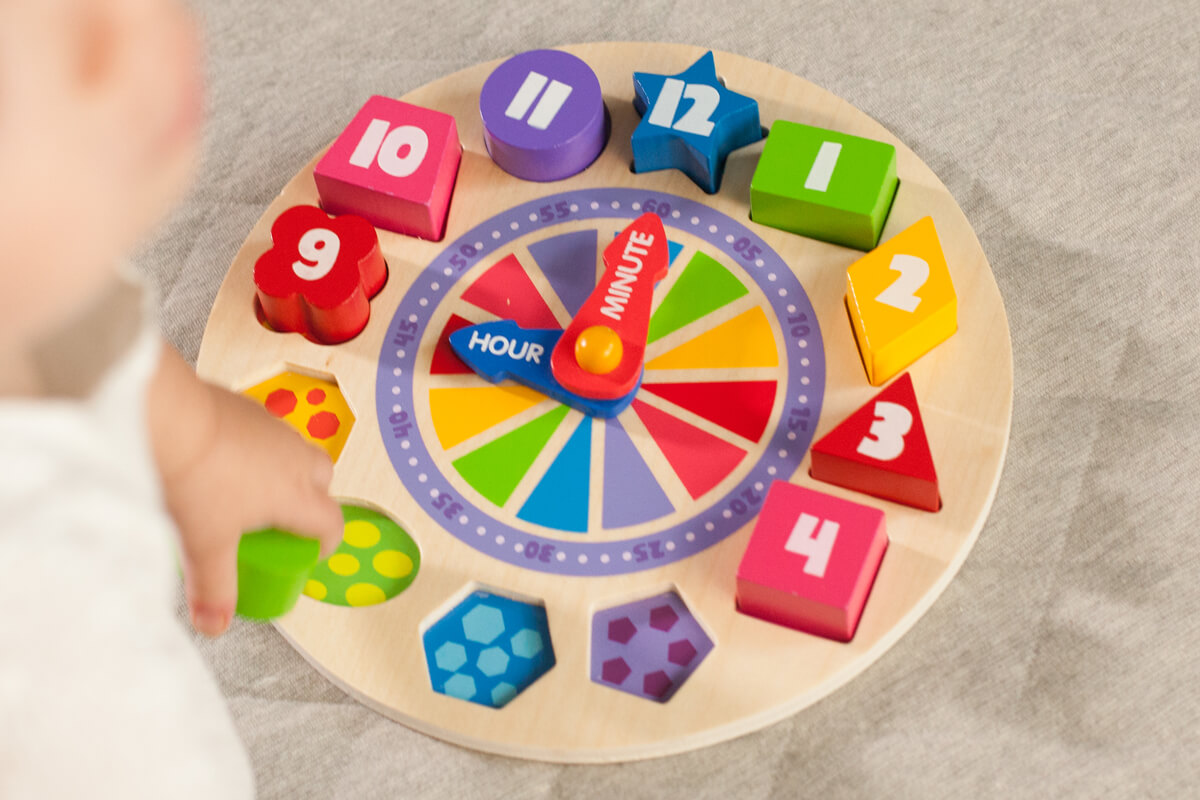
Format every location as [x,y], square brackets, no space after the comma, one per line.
[665,392]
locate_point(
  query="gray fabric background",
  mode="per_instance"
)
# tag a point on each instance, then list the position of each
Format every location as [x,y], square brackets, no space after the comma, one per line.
[1059,663]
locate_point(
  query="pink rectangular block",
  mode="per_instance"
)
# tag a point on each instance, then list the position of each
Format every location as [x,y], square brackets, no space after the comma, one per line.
[811,561]
[395,165]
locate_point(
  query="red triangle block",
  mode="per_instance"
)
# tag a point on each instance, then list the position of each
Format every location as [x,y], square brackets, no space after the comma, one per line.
[743,407]
[881,450]
[506,291]
[700,459]
[445,360]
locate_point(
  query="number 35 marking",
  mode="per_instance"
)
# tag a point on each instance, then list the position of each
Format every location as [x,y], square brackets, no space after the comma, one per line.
[885,440]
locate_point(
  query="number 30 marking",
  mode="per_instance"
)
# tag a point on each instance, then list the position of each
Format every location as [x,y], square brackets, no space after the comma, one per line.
[885,440]
[902,293]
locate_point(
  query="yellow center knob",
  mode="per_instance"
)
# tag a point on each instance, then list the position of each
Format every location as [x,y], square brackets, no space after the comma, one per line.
[598,350]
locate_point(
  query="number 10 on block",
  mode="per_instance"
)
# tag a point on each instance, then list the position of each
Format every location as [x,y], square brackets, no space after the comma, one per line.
[811,561]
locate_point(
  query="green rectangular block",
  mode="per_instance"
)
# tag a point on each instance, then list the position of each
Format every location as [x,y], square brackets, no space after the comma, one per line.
[824,184]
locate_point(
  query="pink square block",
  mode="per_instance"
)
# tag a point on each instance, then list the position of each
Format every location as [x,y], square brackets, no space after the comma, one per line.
[811,561]
[394,165]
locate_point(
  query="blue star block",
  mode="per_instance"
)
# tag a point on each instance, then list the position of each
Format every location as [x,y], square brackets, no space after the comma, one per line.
[502,350]
[691,122]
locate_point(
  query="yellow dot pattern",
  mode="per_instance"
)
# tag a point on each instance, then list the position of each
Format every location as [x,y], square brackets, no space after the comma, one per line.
[361,534]
[343,564]
[376,561]
[392,564]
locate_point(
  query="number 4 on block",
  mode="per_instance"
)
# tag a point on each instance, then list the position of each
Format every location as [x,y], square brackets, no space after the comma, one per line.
[881,450]
[901,301]
[811,561]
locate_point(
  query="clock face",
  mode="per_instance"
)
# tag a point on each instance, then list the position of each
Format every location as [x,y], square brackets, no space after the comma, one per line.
[729,400]
[562,586]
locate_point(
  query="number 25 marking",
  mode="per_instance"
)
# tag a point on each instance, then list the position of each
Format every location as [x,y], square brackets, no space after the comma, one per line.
[815,549]
[697,120]
[885,440]
[902,293]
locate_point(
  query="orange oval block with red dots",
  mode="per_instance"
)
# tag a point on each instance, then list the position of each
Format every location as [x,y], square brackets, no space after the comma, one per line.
[320,274]
[600,353]
[313,406]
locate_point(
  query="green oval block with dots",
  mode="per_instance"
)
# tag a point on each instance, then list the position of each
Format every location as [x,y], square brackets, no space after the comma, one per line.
[824,184]
[376,561]
[273,567]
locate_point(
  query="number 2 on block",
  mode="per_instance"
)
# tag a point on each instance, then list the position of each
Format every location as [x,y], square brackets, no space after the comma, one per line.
[902,292]
[815,549]
[698,118]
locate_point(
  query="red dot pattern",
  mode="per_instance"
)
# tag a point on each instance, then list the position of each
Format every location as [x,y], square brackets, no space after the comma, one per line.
[281,402]
[323,425]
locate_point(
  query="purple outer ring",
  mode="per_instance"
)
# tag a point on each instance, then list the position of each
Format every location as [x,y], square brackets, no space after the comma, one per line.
[520,548]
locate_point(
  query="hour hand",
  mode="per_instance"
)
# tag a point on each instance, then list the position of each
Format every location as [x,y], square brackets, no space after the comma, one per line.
[504,350]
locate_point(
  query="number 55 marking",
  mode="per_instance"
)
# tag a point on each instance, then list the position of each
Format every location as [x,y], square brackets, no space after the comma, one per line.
[885,440]
[902,293]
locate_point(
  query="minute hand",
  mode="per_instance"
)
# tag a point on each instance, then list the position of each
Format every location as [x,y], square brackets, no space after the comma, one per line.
[615,317]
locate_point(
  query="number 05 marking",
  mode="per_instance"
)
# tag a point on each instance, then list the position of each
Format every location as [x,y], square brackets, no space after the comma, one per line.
[697,119]
[885,440]
[815,549]
[902,293]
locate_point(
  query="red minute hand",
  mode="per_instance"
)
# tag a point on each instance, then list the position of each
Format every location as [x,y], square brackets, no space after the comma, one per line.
[600,354]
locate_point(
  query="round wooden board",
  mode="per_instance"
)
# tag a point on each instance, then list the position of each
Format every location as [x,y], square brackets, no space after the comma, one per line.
[757,673]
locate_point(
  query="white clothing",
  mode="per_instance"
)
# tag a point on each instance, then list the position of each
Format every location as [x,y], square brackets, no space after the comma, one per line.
[102,693]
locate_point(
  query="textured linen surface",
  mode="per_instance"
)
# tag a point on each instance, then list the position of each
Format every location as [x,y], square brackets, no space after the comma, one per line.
[1060,661]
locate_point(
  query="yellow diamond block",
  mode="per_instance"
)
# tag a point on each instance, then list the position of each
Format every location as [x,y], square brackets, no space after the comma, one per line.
[313,406]
[901,301]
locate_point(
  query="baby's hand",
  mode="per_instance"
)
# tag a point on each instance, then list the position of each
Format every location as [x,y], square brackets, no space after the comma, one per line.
[236,470]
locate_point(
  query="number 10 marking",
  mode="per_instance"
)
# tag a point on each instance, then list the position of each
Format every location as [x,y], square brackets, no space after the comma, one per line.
[815,549]
[546,109]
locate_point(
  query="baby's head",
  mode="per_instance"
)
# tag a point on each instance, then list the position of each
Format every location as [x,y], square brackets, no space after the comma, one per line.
[100,105]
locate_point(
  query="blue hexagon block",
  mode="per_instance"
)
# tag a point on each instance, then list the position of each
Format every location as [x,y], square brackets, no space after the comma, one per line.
[470,655]
[483,624]
[450,656]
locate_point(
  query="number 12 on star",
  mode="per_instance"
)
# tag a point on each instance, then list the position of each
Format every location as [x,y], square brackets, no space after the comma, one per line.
[691,122]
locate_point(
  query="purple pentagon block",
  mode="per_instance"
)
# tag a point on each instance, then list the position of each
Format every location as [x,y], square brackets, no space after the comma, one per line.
[615,671]
[543,115]
[621,630]
[648,648]
[657,684]
[663,618]
[681,652]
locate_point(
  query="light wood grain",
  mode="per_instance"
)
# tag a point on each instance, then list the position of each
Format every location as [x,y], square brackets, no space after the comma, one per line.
[758,673]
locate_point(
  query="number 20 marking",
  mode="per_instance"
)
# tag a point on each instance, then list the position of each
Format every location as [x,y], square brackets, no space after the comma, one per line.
[902,292]
[815,549]
[697,120]
[885,440]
